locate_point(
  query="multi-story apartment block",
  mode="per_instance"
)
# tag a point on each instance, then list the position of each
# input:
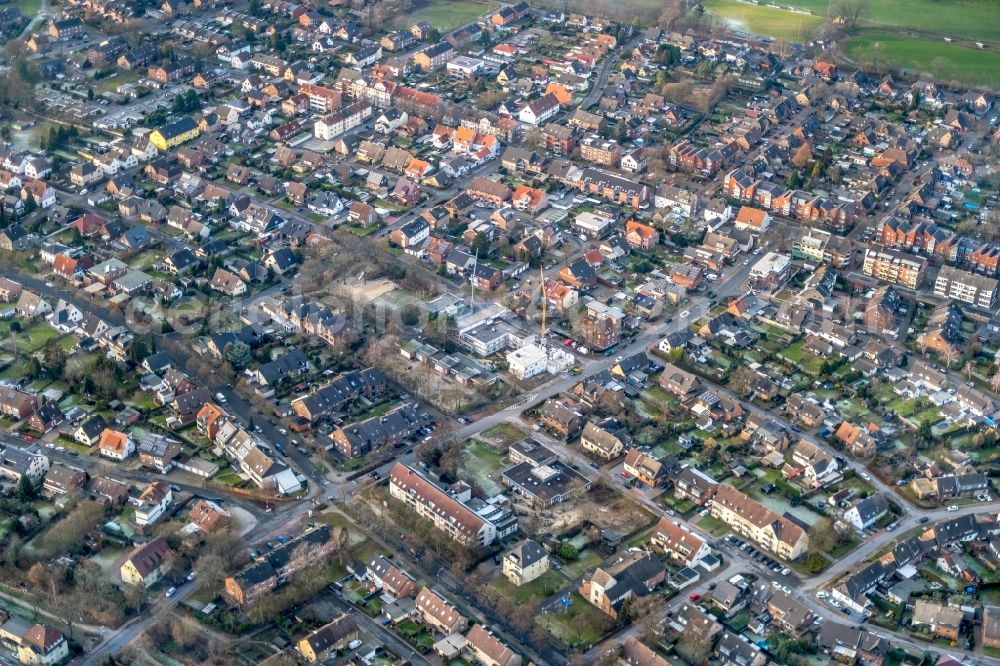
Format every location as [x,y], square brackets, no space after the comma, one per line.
[985,259]
[434,56]
[329,127]
[613,187]
[894,267]
[757,522]
[603,152]
[822,247]
[321,99]
[440,508]
[559,139]
[977,290]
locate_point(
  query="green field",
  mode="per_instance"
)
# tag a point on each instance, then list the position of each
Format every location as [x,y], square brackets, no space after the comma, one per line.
[532,593]
[28,7]
[581,625]
[967,19]
[446,15]
[946,62]
[777,23]
[921,51]
[110,83]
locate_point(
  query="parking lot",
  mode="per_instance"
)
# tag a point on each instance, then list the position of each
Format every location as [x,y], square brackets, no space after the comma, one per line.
[64,104]
[765,560]
[132,114]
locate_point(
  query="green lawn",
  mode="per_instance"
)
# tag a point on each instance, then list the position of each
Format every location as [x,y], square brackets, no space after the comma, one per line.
[713,525]
[483,462]
[969,19]
[930,416]
[37,335]
[532,593]
[68,343]
[15,371]
[588,560]
[110,83]
[580,625]
[229,478]
[805,361]
[28,7]
[505,433]
[144,401]
[777,23]
[446,15]
[944,61]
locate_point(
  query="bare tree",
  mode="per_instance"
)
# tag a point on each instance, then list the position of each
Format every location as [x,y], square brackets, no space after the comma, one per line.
[950,355]
[848,12]
[673,11]
[995,382]
[134,595]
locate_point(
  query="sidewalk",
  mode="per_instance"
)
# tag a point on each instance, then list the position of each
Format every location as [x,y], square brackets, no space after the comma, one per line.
[38,610]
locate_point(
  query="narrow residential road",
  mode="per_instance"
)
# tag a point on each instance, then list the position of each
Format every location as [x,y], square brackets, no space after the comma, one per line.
[604,73]
[115,641]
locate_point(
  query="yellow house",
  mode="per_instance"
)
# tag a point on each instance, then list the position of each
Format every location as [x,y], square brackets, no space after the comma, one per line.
[146,564]
[175,133]
[751,519]
[525,562]
[43,646]
[328,638]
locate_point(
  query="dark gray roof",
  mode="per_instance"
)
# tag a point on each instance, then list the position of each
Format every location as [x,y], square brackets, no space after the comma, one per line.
[527,553]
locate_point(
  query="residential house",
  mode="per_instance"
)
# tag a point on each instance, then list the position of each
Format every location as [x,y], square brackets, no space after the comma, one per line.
[694,485]
[866,512]
[43,646]
[116,445]
[525,562]
[228,283]
[678,542]
[488,650]
[328,639]
[631,577]
[645,468]
[436,612]
[600,442]
[147,563]
[561,419]
[153,503]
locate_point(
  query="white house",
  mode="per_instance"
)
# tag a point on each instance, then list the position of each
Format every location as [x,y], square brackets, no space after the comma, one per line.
[116,445]
[390,121]
[717,212]
[540,110]
[153,503]
[527,362]
[326,203]
[37,167]
[866,512]
[65,317]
